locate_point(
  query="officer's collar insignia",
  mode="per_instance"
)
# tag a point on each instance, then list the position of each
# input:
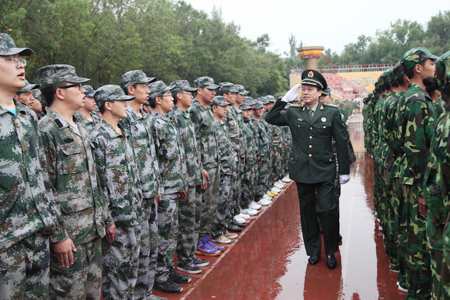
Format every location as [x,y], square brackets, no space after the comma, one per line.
[310,74]
[300,119]
[303,108]
[321,108]
[324,119]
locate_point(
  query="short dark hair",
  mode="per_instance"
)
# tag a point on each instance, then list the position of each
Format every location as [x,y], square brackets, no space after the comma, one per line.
[102,108]
[126,90]
[152,100]
[410,73]
[49,91]
[431,84]
[394,83]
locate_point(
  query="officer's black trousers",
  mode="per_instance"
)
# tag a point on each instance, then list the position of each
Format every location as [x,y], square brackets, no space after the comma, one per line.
[326,209]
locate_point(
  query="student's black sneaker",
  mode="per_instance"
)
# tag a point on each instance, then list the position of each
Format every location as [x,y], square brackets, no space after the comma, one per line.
[201,262]
[168,286]
[178,278]
[191,269]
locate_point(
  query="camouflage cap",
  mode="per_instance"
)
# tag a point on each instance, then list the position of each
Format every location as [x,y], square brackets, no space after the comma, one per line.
[88,91]
[181,85]
[109,93]
[245,107]
[240,89]
[206,82]
[37,94]
[249,101]
[8,47]
[263,100]
[326,91]
[271,98]
[157,88]
[416,56]
[58,73]
[134,77]
[227,87]
[28,86]
[258,105]
[219,101]
[397,71]
[442,69]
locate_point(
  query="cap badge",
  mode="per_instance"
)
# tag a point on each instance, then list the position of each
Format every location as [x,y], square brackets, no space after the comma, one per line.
[324,119]
[310,74]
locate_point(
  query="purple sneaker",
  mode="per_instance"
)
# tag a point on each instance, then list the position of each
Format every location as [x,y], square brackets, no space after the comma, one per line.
[206,250]
[212,245]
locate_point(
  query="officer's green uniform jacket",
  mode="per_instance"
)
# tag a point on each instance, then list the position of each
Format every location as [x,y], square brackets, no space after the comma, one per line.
[118,173]
[312,159]
[73,177]
[25,202]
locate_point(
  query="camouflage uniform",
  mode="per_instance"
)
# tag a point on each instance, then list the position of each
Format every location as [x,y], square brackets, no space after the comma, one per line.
[189,209]
[82,209]
[276,153]
[264,155]
[228,159]
[144,149]
[118,172]
[417,125]
[206,133]
[73,177]
[170,153]
[90,125]
[25,213]
[250,160]
[287,139]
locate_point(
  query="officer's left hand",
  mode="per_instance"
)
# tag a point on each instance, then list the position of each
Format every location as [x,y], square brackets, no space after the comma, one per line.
[343,179]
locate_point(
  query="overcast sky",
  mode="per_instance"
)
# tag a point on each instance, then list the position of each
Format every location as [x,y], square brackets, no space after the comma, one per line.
[331,24]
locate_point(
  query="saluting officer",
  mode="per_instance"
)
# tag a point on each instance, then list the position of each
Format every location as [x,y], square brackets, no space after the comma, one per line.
[312,163]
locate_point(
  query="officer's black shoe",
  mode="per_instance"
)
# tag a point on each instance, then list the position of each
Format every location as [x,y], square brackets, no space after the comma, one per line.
[313,260]
[234,228]
[331,261]
[168,286]
[178,278]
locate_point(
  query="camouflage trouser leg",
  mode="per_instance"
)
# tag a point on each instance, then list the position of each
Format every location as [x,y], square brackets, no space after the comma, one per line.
[375,189]
[418,272]
[210,198]
[223,207]
[235,206]
[391,219]
[254,184]
[280,172]
[168,233]
[120,263]
[381,198]
[25,269]
[83,279]
[188,218]
[148,250]
[263,178]
[402,234]
[445,273]
[435,231]
[245,194]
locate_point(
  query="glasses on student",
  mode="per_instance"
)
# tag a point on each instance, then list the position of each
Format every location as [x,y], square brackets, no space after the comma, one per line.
[16,61]
[79,85]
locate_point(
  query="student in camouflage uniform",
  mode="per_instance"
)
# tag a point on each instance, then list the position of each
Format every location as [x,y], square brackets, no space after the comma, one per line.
[24,243]
[228,159]
[75,256]
[87,113]
[206,131]
[189,210]
[270,127]
[417,120]
[25,94]
[264,152]
[119,181]
[170,153]
[230,92]
[137,123]
[39,109]
[276,150]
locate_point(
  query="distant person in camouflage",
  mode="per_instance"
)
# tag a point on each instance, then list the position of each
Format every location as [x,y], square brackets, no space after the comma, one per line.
[119,181]
[25,94]
[24,242]
[75,256]
[228,160]
[40,108]
[189,215]
[87,113]
[172,166]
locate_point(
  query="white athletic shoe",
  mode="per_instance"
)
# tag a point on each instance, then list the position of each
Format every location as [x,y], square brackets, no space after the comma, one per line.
[249,211]
[239,219]
[254,205]
[286,179]
[274,189]
[243,216]
[278,186]
[264,202]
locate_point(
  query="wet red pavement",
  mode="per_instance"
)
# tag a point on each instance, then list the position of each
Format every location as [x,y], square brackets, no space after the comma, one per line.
[269,261]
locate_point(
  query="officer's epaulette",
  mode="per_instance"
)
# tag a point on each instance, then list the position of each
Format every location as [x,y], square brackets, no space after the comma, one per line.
[330,104]
[295,105]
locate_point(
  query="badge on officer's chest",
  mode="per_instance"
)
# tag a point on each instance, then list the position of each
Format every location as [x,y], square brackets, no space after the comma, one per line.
[300,119]
[323,119]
